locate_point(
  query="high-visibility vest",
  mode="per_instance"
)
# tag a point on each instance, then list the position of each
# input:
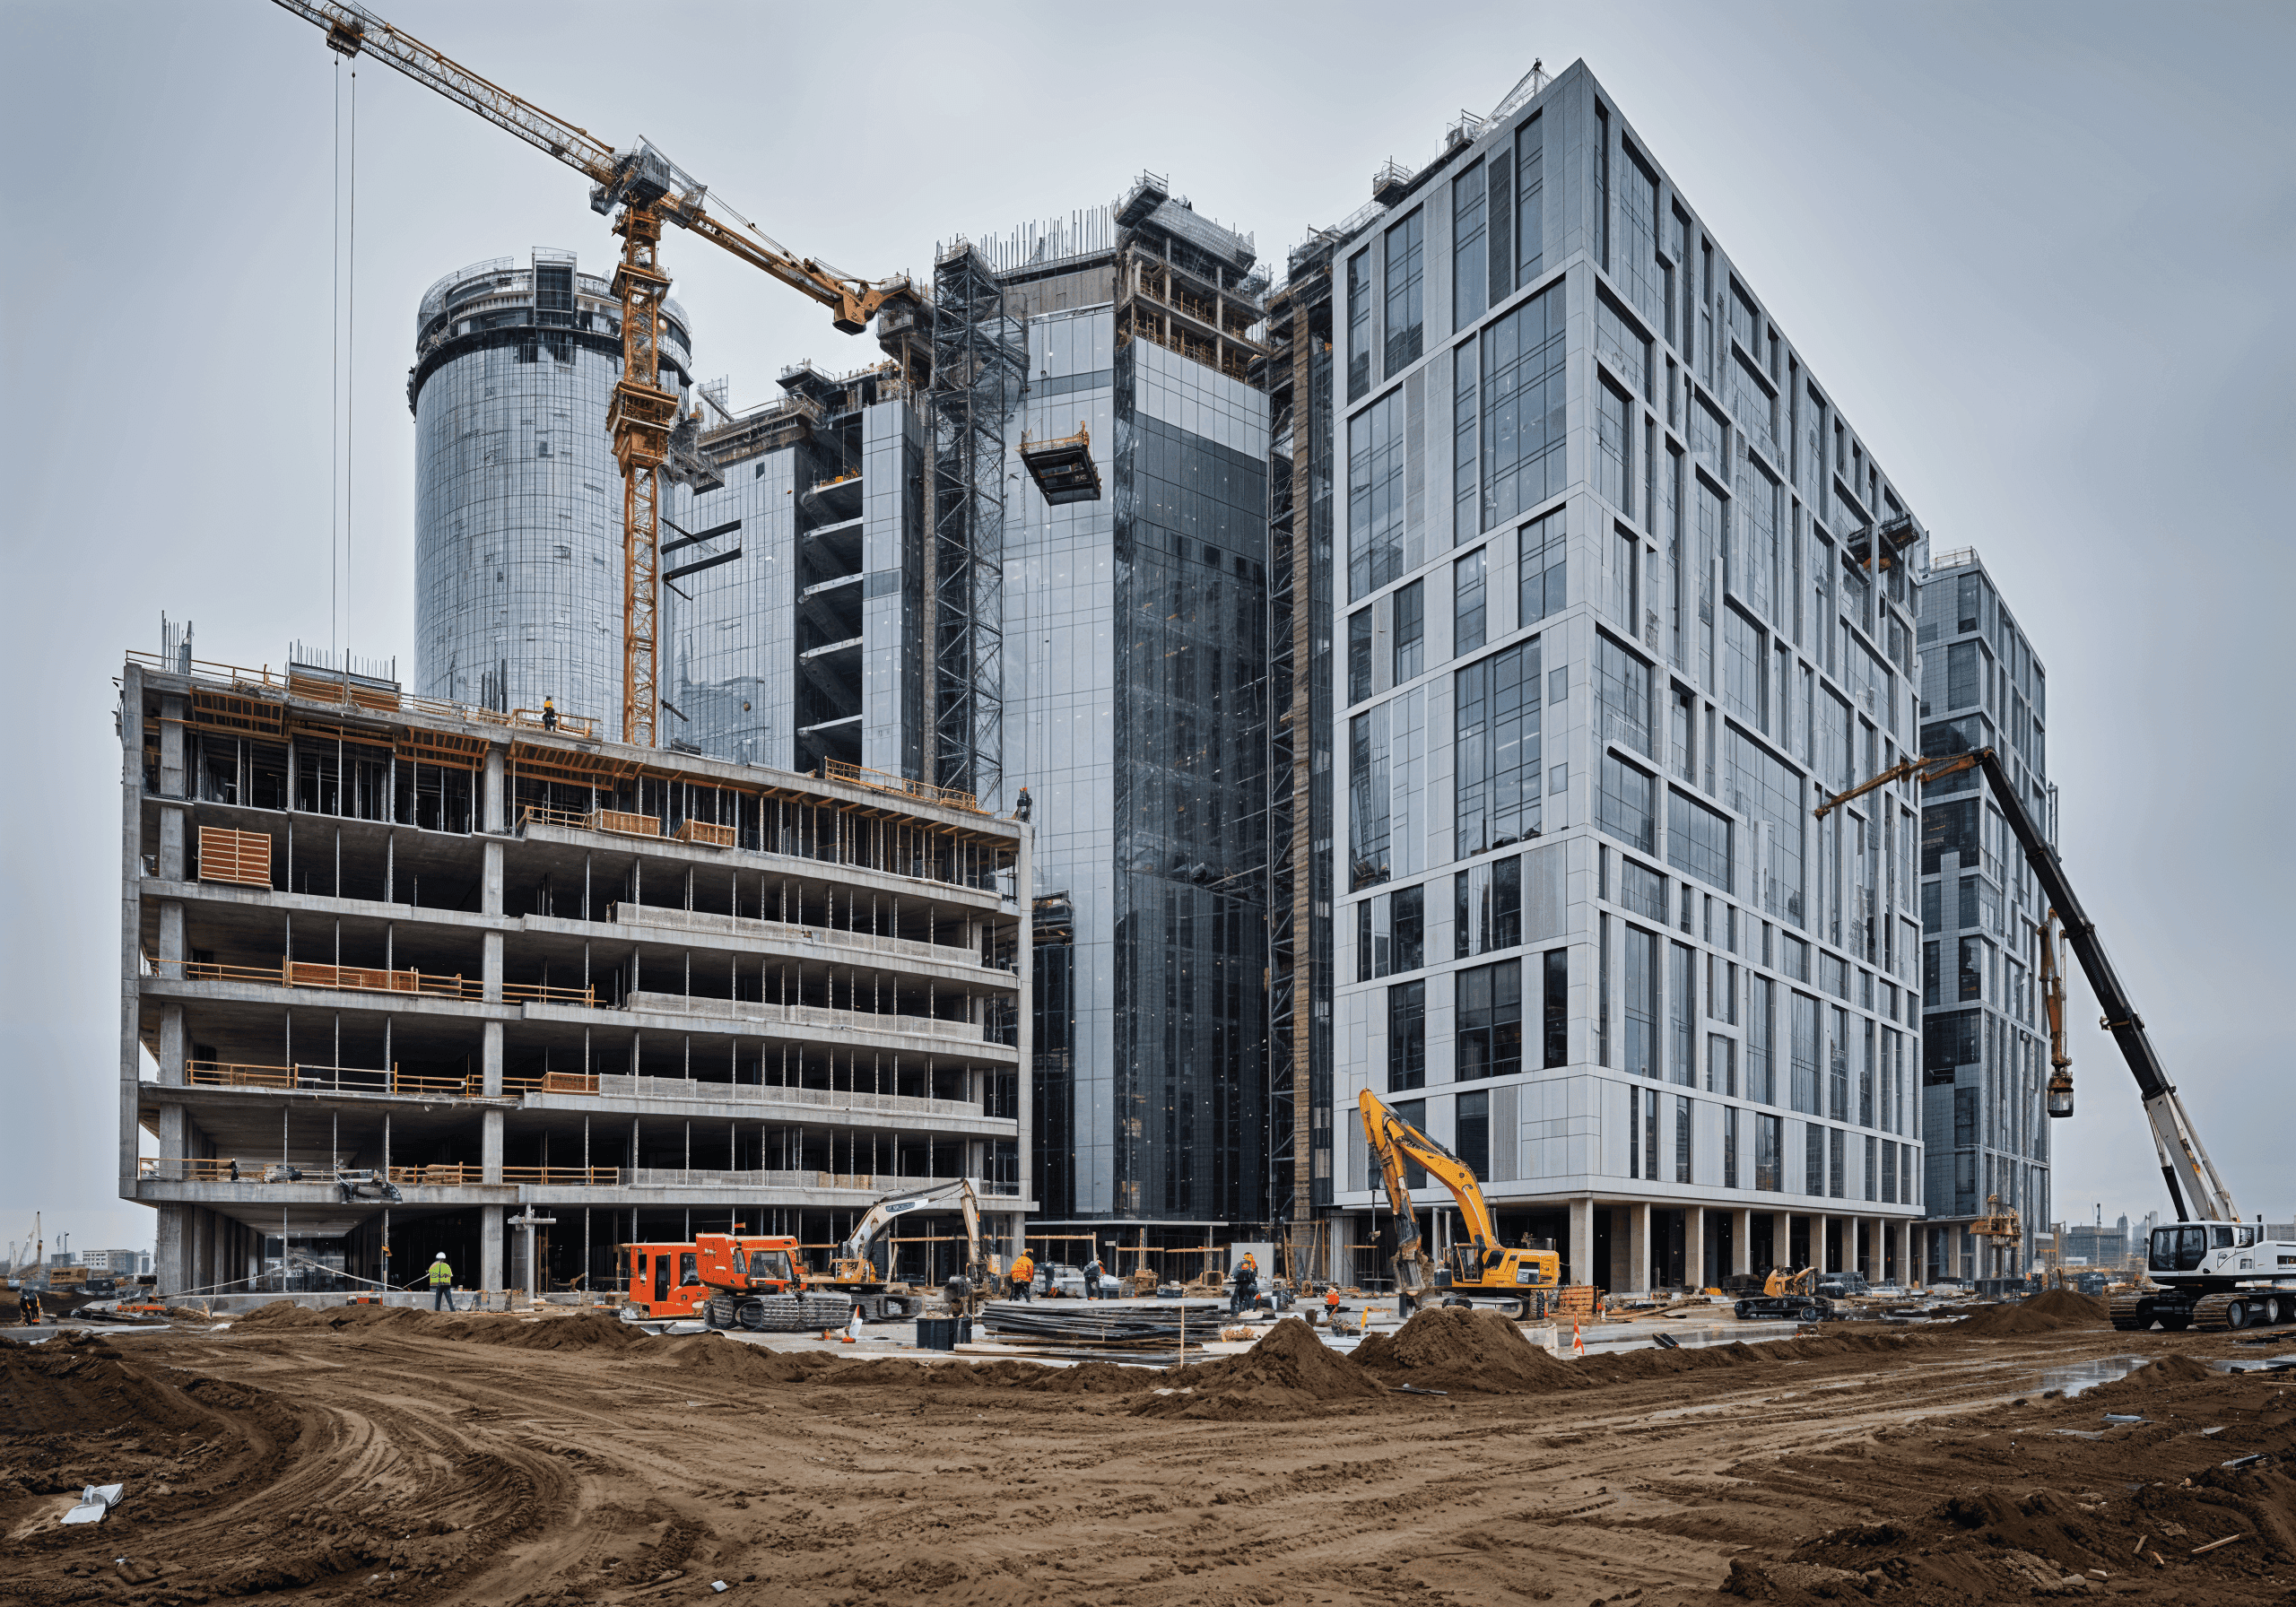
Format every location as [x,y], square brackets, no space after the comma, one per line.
[441,1273]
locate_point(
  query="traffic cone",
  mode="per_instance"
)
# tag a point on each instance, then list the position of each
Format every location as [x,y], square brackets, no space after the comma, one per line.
[1577,1344]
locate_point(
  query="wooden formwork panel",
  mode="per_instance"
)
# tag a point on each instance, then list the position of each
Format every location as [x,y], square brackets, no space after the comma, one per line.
[1573,1300]
[242,857]
[703,833]
[627,824]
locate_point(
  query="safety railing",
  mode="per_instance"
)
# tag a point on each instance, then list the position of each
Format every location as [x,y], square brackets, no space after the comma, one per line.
[553,1082]
[375,979]
[322,1079]
[305,686]
[161,1168]
[884,781]
[703,833]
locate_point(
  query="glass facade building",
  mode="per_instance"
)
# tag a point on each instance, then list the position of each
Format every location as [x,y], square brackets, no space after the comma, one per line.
[1984,1046]
[517,523]
[1616,623]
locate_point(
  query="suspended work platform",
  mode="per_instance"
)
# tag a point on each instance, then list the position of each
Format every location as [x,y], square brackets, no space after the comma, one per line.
[1062,469]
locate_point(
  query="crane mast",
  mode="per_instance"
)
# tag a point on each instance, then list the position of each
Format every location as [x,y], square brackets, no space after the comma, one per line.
[649,190]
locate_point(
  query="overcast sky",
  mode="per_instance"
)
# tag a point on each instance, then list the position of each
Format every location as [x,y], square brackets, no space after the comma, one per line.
[2040,255]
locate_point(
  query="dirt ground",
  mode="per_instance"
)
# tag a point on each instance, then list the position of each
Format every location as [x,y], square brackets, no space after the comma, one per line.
[435,1459]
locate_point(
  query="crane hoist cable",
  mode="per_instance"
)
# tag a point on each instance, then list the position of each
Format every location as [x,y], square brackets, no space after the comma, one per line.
[648,190]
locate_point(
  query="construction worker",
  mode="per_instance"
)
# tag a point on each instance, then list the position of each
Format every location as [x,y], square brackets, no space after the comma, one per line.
[28,1306]
[1092,1279]
[442,1282]
[1024,1276]
[1246,1285]
[1331,1304]
[549,715]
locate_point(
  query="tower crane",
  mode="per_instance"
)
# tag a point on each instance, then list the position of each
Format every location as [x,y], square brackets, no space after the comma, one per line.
[649,190]
[2211,1269]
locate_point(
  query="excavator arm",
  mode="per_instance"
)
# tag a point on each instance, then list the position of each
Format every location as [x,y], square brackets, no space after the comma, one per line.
[855,1247]
[2195,1188]
[1398,1143]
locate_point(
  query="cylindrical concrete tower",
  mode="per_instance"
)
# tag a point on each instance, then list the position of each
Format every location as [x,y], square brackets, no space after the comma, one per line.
[517,520]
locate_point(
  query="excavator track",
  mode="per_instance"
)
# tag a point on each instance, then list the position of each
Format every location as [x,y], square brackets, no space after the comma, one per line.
[2242,1309]
[2132,1313]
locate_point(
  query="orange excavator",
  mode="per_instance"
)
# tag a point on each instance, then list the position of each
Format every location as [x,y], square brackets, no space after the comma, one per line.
[1478,1272]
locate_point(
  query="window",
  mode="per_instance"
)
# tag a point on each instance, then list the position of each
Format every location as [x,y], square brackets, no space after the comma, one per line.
[1375,496]
[1470,250]
[1525,407]
[1471,1133]
[1603,186]
[1640,888]
[1613,449]
[1638,226]
[1541,568]
[1813,1159]
[1623,804]
[1761,1067]
[1973,970]
[1769,1149]
[1837,1063]
[1768,792]
[1497,750]
[1622,345]
[1730,1146]
[1359,655]
[1626,577]
[1414,1113]
[1411,631]
[1949,1042]
[1948,828]
[1682,1013]
[1873,1169]
[1603,982]
[1721,1064]
[1529,219]
[1466,484]
[1490,1020]
[1359,325]
[1683,1123]
[1555,1050]
[1645,1131]
[1488,906]
[1802,1092]
[1406,297]
[1408,924]
[1367,798]
[1641,981]
[1751,405]
[1834,1180]
[1698,840]
[1621,696]
[1682,734]
[1468,610]
[1407,1035]
[1745,670]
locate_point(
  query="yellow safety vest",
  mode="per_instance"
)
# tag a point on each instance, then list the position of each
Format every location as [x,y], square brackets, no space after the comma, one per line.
[441,1273]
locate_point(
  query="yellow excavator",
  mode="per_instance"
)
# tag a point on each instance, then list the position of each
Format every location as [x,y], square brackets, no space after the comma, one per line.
[1481,1271]
[1786,1296]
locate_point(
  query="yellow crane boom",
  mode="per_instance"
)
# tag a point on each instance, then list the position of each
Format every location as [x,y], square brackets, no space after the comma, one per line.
[649,189]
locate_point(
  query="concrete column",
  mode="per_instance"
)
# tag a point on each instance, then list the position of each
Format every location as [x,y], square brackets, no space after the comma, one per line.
[167,1260]
[489,1227]
[1694,1246]
[1638,1248]
[171,1039]
[1742,1241]
[1909,1271]
[490,963]
[490,1066]
[174,783]
[1582,1243]
[489,891]
[490,1146]
[493,801]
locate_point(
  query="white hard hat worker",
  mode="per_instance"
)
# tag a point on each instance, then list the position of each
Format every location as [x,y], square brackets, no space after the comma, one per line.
[441,1255]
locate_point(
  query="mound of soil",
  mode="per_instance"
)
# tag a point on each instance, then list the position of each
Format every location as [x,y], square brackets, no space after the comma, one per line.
[75,1411]
[1453,1348]
[1290,1373]
[2048,1313]
[592,1330]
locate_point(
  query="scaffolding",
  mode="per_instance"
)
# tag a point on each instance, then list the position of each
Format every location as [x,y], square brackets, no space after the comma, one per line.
[978,360]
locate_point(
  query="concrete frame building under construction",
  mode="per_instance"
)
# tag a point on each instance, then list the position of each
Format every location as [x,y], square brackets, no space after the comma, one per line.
[395,970]
[1624,596]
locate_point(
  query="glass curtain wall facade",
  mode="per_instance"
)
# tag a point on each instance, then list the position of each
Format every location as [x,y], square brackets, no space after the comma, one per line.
[1985,1055]
[518,525]
[1134,712]
[1602,567]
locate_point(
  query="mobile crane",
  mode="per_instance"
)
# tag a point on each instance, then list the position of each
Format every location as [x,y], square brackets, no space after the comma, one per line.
[649,190]
[2212,1270]
[1517,1279]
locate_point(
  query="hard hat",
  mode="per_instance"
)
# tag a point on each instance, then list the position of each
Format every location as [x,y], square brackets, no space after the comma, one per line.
[441,1255]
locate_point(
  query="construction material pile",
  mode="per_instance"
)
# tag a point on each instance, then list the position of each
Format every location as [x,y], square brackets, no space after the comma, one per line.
[2047,1312]
[1452,1347]
[1102,1324]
